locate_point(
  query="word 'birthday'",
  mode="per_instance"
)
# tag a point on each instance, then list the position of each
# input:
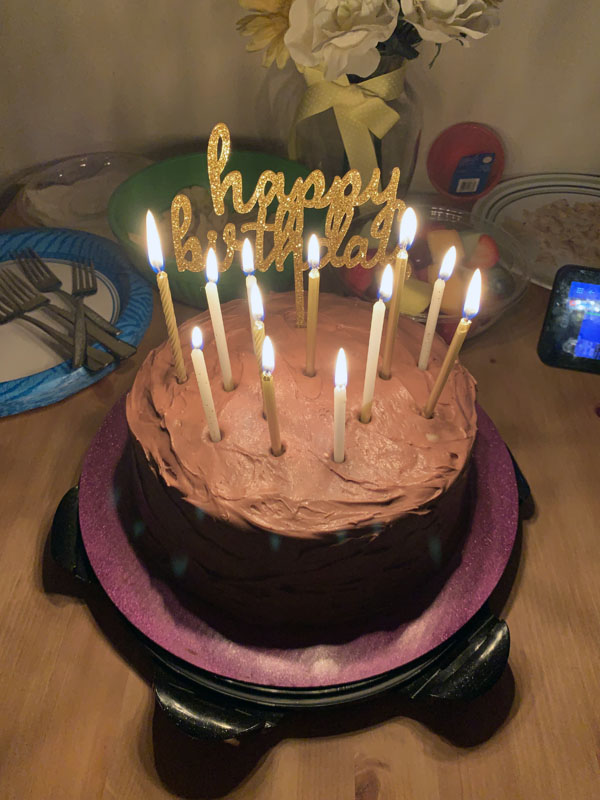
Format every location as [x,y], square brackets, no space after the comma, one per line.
[281,235]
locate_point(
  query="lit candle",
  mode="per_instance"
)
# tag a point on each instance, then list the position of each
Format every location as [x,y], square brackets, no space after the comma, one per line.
[448,263]
[204,385]
[155,258]
[314,279]
[214,307]
[339,406]
[268,388]
[385,291]
[408,228]
[248,267]
[257,314]
[470,309]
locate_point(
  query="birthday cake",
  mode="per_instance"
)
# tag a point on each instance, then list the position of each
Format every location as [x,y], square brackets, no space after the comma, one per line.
[300,539]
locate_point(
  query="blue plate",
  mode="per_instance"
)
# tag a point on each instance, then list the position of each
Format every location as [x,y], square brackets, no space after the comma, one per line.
[128,296]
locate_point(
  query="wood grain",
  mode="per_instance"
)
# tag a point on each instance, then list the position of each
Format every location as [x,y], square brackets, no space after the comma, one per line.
[76,711]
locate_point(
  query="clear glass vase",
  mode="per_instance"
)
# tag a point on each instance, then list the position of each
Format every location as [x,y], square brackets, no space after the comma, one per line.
[320,145]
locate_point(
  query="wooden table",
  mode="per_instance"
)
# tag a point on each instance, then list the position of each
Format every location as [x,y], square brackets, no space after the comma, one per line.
[76,712]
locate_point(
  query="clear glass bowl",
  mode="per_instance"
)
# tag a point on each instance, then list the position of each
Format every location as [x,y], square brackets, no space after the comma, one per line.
[503,284]
[74,193]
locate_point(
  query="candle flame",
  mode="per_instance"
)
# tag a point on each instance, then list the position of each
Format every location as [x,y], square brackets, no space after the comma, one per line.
[155,256]
[471,306]
[256,304]
[268,355]
[408,228]
[212,270]
[197,340]
[313,252]
[341,369]
[448,262]
[247,258]
[387,284]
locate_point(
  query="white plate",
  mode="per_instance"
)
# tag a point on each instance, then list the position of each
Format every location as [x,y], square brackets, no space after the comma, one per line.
[32,375]
[24,351]
[505,205]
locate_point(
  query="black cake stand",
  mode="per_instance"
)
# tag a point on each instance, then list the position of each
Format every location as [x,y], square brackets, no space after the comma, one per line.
[215,703]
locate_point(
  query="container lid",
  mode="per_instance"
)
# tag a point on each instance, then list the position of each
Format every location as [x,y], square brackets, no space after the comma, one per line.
[466,161]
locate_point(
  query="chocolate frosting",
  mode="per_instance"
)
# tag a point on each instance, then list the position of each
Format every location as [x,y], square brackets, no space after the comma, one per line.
[397,464]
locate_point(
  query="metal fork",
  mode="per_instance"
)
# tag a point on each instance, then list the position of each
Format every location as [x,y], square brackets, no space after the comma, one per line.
[17,298]
[83,284]
[44,280]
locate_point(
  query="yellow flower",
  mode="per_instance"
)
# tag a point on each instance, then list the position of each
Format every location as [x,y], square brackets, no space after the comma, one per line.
[266,27]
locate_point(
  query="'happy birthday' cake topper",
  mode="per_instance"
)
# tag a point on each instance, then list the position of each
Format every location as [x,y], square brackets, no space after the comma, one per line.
[285,229]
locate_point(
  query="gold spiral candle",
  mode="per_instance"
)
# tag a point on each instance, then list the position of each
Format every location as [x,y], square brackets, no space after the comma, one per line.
[314,280]
[408,228]
[155,258]
[258,335]
[470,309]
[268,389]
[162,279]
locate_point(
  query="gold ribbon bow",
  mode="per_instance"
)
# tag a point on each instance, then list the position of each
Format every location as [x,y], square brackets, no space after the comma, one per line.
[360,109]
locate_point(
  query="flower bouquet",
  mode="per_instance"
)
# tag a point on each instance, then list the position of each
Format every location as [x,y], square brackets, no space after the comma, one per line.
[357,109]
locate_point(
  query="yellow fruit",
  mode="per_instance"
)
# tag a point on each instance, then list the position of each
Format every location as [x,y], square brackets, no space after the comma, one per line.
[439,242]
[416,296]
[456,288]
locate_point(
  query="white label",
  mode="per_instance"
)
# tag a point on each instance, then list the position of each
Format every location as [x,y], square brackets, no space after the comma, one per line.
[467,185]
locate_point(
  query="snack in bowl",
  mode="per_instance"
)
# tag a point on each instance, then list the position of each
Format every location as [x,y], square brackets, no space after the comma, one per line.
[480,245]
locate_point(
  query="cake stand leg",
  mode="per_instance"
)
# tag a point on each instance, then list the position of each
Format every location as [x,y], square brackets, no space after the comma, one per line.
[203,714]
[198,711]
[473,662]
[66,544]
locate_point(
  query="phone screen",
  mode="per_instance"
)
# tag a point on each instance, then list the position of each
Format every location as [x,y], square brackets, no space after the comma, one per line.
[584,305]
[570,336]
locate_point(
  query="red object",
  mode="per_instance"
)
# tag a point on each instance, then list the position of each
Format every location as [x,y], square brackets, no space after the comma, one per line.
[485,254]
[358,279]
[446,330]
[420,255]
[456,142]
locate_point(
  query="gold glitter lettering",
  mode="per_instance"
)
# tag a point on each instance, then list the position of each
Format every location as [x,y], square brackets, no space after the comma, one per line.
[181,219]
[283,232]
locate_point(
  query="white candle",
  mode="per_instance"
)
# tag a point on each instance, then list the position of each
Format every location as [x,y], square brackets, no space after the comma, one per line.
[204,385]
[339,406]
[314,280]
[214,307]
[446,268]
[385,292]
[248,267]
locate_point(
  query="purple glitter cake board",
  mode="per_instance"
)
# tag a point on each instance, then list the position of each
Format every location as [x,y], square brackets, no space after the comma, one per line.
[153,608]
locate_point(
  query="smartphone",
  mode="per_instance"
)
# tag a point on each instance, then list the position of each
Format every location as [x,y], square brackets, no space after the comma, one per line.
[570,336]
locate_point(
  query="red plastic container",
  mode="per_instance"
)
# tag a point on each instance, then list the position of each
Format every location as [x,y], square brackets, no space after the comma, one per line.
[455,142]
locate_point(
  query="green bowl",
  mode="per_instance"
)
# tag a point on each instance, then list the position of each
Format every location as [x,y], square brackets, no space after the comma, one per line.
[154,188]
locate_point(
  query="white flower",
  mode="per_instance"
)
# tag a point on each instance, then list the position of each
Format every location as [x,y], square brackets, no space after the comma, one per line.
[340,35]
[442,20]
